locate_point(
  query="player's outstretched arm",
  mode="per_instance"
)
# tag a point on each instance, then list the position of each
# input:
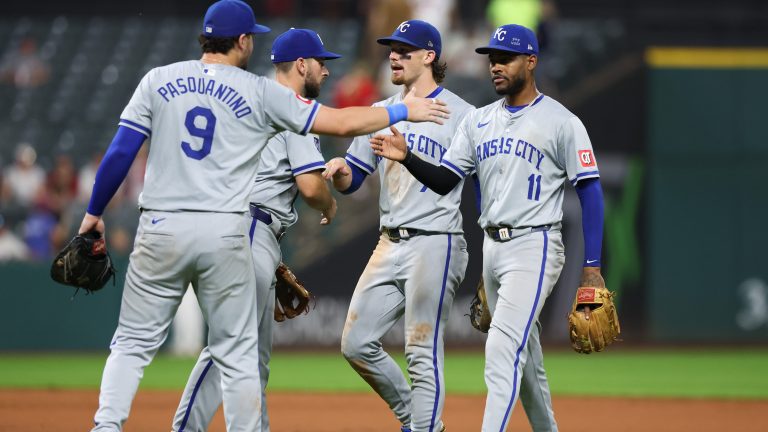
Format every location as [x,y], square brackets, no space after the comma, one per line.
[355,121]
[391,147]
[438,178]
[339,173]
[314,191]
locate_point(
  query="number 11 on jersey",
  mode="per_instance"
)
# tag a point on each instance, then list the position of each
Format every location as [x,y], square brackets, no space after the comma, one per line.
[534,180]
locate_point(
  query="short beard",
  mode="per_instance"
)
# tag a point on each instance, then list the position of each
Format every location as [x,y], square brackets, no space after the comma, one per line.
[397,81]
[311,88]
[516,85]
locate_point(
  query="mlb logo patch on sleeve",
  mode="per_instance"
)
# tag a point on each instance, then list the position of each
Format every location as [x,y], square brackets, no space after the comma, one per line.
[586,158]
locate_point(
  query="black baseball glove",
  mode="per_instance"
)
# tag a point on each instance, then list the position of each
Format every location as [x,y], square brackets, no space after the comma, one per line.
[84,263]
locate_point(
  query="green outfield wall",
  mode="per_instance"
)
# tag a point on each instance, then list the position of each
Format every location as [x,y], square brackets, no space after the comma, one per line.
[39,314]
[707,207]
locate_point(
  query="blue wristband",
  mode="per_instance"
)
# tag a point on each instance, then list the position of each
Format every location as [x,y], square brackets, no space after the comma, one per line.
[397,113]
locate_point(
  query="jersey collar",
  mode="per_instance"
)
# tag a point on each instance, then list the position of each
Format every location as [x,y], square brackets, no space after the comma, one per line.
[520,112]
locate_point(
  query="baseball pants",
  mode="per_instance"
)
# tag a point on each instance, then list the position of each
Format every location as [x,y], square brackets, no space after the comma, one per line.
[172,250]
[202,395]
[519,275]
[415,278]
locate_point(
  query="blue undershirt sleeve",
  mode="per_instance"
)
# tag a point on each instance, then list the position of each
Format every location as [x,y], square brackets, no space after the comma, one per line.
[358,175]
[478,193]
[114,167]
[592,208]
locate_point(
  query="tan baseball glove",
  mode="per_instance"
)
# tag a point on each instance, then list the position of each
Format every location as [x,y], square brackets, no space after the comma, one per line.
[291,298]
[593,322]
[479,315]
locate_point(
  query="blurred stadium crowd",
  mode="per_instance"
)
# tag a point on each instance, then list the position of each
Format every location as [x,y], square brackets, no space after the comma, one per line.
[65,79]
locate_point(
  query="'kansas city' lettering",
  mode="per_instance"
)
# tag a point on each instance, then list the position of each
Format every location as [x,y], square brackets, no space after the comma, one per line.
[509,146]
[425,145]
[201,85]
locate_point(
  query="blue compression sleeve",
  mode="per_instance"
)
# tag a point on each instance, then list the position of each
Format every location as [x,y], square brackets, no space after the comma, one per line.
[114,167]
[358,175]
[592,208]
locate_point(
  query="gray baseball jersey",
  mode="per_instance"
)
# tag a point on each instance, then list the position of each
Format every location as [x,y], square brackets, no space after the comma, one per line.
[208,125]
[222,117]
[404,202]
[522,160]
[287,155]
[415,278]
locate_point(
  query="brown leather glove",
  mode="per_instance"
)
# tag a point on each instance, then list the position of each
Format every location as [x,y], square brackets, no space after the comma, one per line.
[291,297]
[593,322]
[479,314]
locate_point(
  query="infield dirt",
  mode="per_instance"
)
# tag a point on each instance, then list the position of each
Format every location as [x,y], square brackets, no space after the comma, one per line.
[72,410]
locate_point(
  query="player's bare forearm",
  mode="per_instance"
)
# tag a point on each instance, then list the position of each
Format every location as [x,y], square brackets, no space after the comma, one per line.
[338,172]
[350,122]
[591,277]
[356,121]
[314,190]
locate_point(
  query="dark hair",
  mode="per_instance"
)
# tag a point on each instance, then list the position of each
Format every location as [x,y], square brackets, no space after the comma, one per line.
[438,70]
[216,45]
[284,67]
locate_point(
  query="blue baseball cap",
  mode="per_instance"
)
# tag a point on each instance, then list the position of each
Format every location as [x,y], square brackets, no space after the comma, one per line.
[230,18]
[512,38]
[418,33]
[297,43]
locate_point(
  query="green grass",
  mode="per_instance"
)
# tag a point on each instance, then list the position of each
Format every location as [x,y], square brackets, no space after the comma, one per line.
[732,373]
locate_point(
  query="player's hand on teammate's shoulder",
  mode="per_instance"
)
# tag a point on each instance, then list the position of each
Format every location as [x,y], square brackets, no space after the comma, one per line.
[336,168]
[423,109]
[390,146]
[329,213]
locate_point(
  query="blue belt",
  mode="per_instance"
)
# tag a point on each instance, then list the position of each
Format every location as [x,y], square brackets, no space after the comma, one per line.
[259,214]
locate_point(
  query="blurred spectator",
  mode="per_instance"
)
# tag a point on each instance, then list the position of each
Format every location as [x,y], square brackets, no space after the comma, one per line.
[436,12]
[87,177]
[459,50]
[62,184]
[23,179]
[383,16]
[11,247]
[40,228]
[284,8]
[24,68]
[355,88]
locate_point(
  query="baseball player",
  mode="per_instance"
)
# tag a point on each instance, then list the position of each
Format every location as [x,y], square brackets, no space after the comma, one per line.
[523,148]
[208,121]
[421,255]
[290,165]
